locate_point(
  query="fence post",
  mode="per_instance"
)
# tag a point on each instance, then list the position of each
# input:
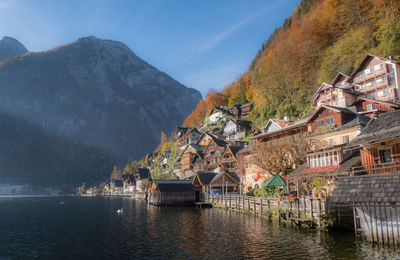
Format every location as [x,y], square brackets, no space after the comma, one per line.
[248,203]
[311,208]
[261,206]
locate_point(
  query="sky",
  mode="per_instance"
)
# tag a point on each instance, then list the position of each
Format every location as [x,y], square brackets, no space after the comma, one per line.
[204,44]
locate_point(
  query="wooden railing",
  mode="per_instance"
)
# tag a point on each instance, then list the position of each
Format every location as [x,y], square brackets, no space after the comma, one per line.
[298,207]
[377,168]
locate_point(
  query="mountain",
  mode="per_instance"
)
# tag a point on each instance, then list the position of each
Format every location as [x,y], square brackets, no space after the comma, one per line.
[95,93]
[319,39]
[10,47]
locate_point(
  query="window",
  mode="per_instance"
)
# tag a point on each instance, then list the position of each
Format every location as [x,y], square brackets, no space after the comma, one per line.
[331,141]
[345,139]
[385,155]
[335,158]
[369,107]
[330,121]
[373,96]
[371,70]
[321,123]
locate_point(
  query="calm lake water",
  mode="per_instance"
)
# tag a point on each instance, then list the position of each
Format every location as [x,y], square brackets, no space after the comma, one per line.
[90,228]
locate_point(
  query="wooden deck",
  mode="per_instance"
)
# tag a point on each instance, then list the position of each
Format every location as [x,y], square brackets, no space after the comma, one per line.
[302,210]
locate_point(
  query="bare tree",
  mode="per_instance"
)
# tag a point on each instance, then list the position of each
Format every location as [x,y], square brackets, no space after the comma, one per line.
[281,155]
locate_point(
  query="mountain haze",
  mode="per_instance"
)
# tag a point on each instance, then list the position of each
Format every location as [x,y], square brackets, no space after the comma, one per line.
[96,93]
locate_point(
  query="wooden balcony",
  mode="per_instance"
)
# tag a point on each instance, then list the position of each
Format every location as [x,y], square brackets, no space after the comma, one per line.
[379,168]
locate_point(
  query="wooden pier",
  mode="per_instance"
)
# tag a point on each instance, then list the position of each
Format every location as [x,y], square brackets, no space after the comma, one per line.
[301,210]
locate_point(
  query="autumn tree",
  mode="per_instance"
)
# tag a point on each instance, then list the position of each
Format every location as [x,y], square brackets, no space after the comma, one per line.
[116,173]
[280,156]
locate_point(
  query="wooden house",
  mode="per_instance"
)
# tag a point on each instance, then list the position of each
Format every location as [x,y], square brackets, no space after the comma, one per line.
[172,192]
[379,145]
[234,110]
[142,178]
[236,129]
[187,157]
[222,182]
[330,129]
[245,109]
[229,161]
[213,153]
[187,135]
[372,108]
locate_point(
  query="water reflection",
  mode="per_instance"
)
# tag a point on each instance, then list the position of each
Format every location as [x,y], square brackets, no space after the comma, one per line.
[91,228]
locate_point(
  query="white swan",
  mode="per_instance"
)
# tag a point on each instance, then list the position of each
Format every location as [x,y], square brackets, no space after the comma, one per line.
[120,211]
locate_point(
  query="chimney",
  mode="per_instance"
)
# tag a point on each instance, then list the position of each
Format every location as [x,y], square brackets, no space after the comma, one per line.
[390,57]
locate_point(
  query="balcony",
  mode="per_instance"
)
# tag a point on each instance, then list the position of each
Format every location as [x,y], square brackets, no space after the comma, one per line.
[379,168]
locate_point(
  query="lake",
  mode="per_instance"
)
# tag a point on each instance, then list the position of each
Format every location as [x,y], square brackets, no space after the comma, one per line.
[90,228]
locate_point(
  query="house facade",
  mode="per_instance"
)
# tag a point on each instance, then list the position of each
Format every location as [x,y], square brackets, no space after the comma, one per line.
[379,145]
[187,135]
[236,129]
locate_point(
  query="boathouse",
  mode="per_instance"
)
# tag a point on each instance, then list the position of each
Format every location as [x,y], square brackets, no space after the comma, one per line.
[172,192]
[375,200]
[223,182]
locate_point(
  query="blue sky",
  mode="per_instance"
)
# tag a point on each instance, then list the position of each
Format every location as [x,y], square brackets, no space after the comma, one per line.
[203,44]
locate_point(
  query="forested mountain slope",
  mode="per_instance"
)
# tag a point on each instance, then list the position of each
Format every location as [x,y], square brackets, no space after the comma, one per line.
[320,39]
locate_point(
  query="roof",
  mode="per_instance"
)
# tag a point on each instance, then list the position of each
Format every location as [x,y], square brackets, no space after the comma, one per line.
[163,181]
[186,130]
[322,87]
[344,168]
[144,173]
[275,181]
[219,142]
[385,127]
[175,187]
[392,104]
[247,104]
[232,175]
[296,124]
[367,188]
[243,123]
[365,60]
[338,76]
[234,149]
[205,177]
[219,109]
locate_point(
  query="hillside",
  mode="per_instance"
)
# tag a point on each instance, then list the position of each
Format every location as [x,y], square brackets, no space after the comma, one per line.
[320,38]
[94,94]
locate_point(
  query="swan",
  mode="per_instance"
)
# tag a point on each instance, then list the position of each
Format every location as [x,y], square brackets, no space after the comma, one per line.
[120,211]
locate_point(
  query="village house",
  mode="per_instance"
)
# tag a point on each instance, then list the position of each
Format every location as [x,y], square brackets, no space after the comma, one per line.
[116,186]
[276,131]
[218,115]
[372,108]
[245,109]
[379,145]
[212,182]
[129,183]
[251,175]
[142,178]
[375,78]
[236,129]
[213,153]
[187,157]
[229,161]
[329,130]
[186,135]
